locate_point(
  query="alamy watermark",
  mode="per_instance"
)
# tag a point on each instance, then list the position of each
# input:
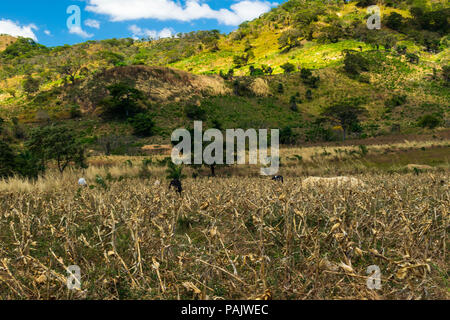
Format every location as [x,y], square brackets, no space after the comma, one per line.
[224,151]
[374,279]
[374,21]
[74,277]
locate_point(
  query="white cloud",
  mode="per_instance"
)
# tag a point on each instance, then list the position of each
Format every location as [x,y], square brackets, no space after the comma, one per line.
[119,10]
[47,32]
[80,32]
[153,34]
[92,23]
[14,29]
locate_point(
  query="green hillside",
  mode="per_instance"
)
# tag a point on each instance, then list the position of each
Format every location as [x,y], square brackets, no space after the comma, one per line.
[281,70]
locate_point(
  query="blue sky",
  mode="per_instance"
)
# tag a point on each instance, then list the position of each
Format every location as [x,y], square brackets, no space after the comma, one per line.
[46,20]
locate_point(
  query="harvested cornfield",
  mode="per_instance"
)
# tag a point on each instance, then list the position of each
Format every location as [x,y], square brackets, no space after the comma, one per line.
[228,238]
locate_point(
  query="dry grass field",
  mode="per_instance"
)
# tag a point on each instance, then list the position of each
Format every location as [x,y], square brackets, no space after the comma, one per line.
[226,238]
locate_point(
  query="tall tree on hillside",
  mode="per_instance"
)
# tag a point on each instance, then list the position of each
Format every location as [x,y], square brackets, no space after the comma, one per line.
[123,102]
[71,65]
[290,39]
[31,85]
[346,113]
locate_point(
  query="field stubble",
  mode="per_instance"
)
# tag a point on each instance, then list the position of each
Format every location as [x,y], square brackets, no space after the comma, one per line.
[228,238]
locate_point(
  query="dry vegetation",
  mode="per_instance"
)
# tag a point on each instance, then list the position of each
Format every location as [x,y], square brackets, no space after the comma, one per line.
[227,238]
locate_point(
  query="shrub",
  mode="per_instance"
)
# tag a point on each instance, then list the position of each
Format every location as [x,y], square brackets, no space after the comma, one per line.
[394,21]
[75,112]
[143,125]
[280,88]
[412,57]
[355,63]
[256,71]
[195,113]
[293,103]
[363,150]
[308,78]
[31,85]
[7,160]
[429,121]
[288,67]
[395,101]
[287,136]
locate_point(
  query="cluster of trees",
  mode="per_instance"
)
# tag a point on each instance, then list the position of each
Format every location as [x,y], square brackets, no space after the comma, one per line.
[126,103]
[58,144]
[23,48]
[425,27]
[346,113]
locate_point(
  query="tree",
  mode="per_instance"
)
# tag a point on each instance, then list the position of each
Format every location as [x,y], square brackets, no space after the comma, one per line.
[308,78]
[31,85]
[2,122]
[243,60]
[143,125]
[394,21]
[332,33]
[287,136]
[28,165]
[123,102]
[290,39]
[70,64]
[57,143]
[346,113]
[355,63]
[288,67]
[7,160]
